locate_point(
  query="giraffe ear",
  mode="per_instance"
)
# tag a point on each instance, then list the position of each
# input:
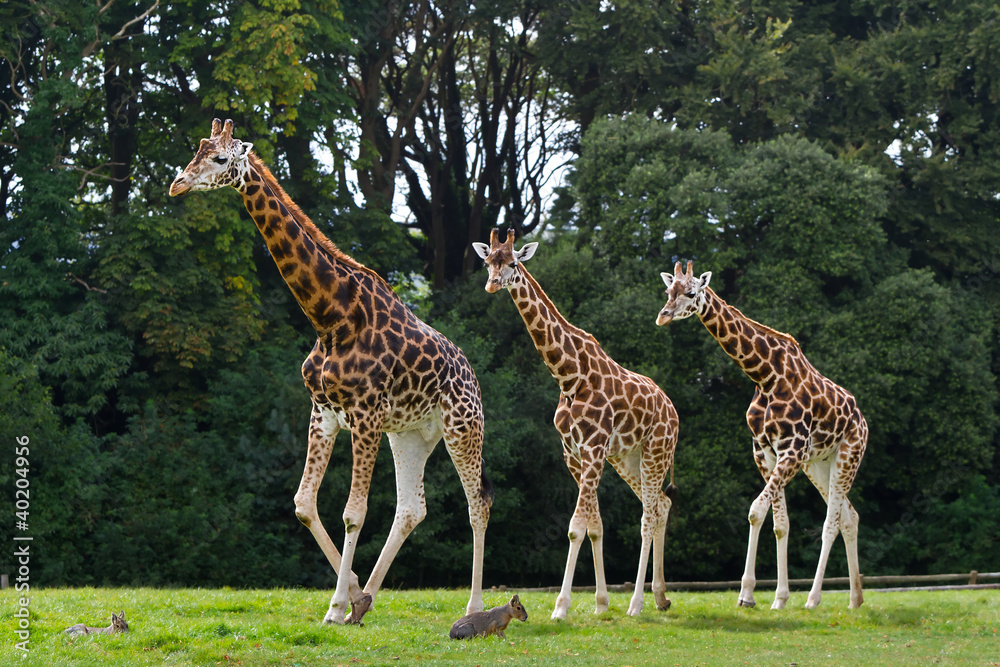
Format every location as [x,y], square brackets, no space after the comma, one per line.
[481,249]
[703,280]
[527,252]
[668,278]
[243,148]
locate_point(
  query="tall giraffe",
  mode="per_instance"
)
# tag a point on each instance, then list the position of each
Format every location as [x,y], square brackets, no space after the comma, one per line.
[375,367]
[605,412]
[799,419]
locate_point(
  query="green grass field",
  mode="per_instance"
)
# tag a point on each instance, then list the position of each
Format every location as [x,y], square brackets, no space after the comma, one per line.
[283,627]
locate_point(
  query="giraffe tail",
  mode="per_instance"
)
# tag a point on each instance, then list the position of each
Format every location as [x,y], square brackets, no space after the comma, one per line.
[486,492]
[671,492]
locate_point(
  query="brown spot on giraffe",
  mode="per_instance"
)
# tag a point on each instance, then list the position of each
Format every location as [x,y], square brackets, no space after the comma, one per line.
[356,377]
[799,420]
[605,413]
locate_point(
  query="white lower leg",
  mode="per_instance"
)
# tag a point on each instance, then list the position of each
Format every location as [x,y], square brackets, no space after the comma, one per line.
[576,530]
[758,510]
[830,529]
[478,548]
[596,534]
[849,522]
[659,579]
[353,520]
[781,526]
[636,603]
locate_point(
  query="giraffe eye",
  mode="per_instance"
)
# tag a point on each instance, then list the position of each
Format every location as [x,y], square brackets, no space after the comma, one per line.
[219,159]
[690,294]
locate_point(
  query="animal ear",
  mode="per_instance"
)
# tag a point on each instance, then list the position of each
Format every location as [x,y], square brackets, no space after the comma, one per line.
[514,600]
[703,280]
[243,148]
[668,278]
[481,249]
[527,252]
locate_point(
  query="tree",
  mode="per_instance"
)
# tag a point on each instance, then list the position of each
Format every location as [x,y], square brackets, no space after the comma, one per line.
[451,101]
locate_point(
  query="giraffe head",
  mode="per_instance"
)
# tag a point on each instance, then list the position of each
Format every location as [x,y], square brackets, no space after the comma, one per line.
[502,260]
[220,161]
[685,293]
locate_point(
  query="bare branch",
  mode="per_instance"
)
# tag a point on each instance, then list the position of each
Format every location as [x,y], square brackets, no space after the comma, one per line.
[142,17]
[105,7]
[79,280]
[88,173]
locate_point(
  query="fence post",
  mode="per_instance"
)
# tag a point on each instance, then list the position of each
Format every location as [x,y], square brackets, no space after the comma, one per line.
[4,581]
[973,577]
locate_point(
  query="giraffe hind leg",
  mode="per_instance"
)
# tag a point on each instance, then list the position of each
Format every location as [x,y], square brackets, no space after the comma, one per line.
[410,451]
[462,421]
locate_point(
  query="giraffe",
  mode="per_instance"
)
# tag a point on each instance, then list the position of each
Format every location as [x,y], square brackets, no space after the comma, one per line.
[798,418]
[605,412]
[374,368]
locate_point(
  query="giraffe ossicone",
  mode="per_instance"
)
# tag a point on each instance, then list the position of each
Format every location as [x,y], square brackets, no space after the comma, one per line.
[798,418]
[605,413]
[375,368]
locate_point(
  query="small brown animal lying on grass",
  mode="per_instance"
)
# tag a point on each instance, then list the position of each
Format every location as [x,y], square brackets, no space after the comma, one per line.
[118,624]
[490,622]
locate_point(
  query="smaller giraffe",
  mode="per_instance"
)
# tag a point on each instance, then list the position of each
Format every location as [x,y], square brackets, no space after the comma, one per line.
[605,413]
[799,419]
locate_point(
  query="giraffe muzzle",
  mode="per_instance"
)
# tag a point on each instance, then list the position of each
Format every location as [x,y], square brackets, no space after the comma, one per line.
[179,186]
[665,317]
[493,286]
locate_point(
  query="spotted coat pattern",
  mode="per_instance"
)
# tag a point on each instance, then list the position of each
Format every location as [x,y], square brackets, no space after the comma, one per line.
[799,420]
[375,368]
[605,413]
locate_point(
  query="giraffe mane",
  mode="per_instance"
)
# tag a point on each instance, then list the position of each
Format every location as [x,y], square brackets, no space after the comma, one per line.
[547,302]
[763,328]
[310,228]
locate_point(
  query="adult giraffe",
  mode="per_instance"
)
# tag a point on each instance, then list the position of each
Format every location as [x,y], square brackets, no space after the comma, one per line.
[375,367]
[605,412]
[799,419]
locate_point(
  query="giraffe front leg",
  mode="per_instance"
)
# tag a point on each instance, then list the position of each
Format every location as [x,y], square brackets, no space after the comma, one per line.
[586,508]
[323,429]
[758,511]
[364,441]
[779,512]
[577,527]
[595,531]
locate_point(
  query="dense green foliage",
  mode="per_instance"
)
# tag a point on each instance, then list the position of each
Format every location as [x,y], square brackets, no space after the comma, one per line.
[833,164]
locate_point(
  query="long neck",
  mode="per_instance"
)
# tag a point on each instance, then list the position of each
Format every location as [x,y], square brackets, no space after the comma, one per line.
[328,285]
[760,351]
[567,351]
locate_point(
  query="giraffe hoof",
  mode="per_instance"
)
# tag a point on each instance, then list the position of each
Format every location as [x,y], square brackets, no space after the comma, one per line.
[664,605]
[359,608]
[746,603]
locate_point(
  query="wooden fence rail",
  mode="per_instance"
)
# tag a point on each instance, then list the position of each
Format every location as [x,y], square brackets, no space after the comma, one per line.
[973,578]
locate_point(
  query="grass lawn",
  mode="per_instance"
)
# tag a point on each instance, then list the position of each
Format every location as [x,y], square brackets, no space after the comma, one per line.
[283,627]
